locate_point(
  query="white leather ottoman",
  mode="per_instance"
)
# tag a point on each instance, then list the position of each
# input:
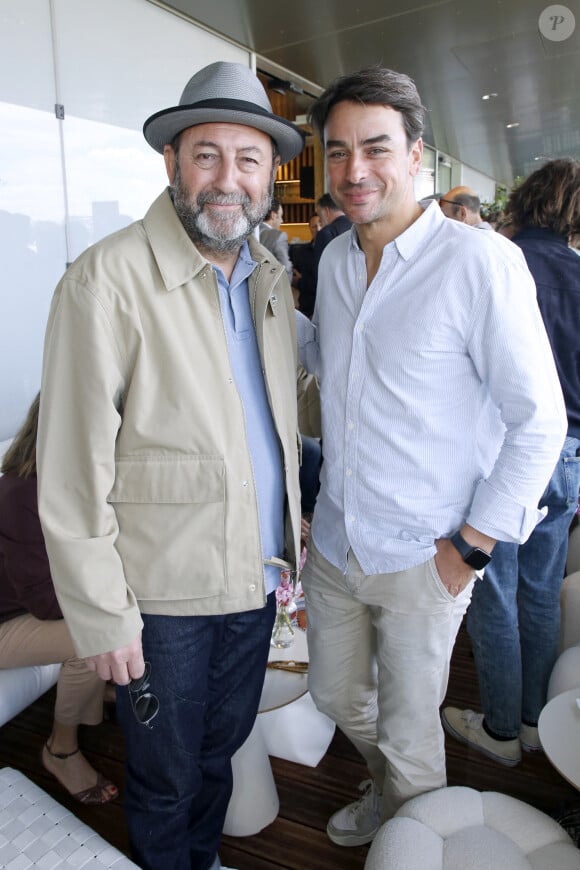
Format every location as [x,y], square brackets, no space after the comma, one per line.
[459,828]
[20,687]
[36,831]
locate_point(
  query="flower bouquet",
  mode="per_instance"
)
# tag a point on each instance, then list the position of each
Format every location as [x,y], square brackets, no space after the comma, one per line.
[283,631]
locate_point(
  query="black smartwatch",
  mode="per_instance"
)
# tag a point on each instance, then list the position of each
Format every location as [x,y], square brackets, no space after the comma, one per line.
[473,556]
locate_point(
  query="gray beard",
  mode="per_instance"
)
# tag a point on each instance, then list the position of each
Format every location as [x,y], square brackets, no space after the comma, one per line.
[220,237]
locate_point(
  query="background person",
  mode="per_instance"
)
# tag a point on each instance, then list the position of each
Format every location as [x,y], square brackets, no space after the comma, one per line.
[305,268]
[333,222]
[442,419]
[514,617]
[168,472]
[272,237]
[32,630]
[463,204]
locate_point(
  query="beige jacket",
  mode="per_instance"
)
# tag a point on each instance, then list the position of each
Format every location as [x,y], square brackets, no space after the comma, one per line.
[146,491]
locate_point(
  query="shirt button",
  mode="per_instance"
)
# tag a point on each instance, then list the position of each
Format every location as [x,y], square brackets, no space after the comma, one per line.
[252,587]
[244,482]
[349,472]
[351,425]
[351,518]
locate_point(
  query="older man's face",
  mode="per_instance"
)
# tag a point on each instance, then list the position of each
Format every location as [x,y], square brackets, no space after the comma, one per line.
[222,181]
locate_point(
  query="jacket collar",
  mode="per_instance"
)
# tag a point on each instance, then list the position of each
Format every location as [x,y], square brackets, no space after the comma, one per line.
[176,256]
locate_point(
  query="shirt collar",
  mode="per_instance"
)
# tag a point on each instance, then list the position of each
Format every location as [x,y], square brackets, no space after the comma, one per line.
[412,238]
[420,230]
[244,267]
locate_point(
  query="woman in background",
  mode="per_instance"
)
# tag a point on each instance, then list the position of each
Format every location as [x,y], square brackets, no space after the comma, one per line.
[32,629]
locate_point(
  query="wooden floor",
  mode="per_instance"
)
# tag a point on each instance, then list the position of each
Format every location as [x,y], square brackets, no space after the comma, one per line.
[308,796]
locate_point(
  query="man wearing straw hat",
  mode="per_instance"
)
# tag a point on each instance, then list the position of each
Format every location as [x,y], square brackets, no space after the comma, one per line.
[168,459]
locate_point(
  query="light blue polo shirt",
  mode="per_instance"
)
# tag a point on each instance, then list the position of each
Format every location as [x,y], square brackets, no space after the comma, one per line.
[261,434]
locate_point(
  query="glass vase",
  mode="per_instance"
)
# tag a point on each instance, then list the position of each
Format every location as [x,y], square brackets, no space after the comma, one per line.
[283,632]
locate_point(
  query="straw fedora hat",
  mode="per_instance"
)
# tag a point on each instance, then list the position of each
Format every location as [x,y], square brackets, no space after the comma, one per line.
[227,92]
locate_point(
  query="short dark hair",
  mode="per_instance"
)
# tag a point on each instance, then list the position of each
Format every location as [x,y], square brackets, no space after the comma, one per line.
[274,205]
[374,85]
[469,200]
[326,201]
[549,197]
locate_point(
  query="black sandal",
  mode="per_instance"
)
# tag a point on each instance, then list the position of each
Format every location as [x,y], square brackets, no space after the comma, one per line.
[96,794]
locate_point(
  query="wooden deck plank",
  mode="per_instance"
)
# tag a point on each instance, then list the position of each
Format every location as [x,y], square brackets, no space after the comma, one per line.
[297,839]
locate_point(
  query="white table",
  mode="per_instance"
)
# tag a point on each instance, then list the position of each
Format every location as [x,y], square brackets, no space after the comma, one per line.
[254,803]
[559,730]
[283,687]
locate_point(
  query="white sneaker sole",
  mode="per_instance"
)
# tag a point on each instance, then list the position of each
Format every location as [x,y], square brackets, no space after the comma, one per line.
[347,838]
[528,747]
[502,759]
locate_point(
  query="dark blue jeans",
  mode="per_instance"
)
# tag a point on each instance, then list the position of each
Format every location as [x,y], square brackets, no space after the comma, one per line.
[207,672]
[514,616]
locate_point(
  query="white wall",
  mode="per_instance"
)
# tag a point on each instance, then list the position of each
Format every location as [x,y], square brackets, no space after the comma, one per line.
[65,184]
[483,185]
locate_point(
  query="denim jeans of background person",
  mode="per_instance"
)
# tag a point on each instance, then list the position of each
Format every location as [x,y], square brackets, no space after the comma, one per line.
[514,618]
[168,458]
[441,414]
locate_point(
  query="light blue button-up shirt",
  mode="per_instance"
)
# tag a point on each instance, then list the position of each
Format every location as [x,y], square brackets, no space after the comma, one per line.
[261,434]
[440,399]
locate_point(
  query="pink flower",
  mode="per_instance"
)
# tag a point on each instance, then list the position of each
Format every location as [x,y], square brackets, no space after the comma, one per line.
[285,591]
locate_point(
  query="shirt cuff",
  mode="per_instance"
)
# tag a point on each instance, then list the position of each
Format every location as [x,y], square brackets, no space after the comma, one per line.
[502,518]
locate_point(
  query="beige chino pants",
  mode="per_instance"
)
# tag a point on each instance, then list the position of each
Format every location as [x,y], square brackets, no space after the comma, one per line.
[26,641]
[379,649]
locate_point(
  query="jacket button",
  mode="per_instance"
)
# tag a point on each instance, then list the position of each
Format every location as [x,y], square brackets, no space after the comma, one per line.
[252,587]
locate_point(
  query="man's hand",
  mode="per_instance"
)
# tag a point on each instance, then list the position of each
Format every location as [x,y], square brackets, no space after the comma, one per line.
[120,665]
[454,572]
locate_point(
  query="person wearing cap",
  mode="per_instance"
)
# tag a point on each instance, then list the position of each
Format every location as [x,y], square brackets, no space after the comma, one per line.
[168,459]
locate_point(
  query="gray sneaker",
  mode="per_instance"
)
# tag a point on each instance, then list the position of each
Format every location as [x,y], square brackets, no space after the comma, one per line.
[530,739]
[467,726]
[357,823]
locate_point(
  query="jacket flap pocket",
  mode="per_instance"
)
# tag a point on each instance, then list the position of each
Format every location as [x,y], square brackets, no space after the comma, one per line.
[169,481]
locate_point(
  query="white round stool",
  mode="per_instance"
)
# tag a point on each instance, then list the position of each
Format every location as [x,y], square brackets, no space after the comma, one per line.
[459,828]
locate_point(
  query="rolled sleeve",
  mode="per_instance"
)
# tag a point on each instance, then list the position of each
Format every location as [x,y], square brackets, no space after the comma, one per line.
[512,353]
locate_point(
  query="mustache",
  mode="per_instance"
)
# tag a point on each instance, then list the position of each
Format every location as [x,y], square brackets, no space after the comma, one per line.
[215,198]
[359,187]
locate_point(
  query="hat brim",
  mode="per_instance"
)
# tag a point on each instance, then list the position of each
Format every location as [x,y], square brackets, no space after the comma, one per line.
[162,127]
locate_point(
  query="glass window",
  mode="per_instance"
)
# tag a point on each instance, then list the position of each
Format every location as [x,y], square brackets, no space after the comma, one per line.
[425,181]
[137,61]
[32,238]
